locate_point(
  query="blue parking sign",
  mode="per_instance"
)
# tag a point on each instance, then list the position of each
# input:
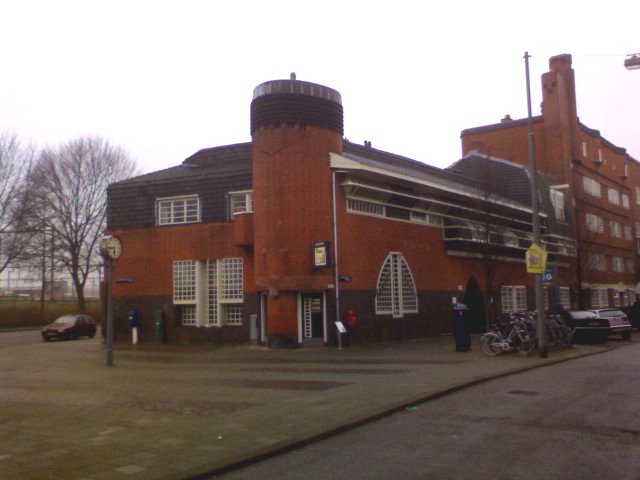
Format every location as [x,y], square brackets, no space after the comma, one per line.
[549,275]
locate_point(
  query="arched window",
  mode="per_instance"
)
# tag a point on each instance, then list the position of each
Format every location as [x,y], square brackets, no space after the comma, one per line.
[396,292]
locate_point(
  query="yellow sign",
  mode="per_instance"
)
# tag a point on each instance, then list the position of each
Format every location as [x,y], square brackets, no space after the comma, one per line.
[536,259]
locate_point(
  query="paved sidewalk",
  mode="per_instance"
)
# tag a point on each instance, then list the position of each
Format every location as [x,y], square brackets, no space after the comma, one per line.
[167,412]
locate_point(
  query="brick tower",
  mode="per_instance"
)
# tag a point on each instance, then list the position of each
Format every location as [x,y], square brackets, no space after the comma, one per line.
[294,127]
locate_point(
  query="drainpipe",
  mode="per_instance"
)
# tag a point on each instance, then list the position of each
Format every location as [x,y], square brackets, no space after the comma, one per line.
[335,243]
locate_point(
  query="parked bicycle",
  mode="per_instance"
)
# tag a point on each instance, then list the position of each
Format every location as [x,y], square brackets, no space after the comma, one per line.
[510,336]
[519,333]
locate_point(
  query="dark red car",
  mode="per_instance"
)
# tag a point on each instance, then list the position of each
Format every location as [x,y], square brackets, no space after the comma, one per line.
[69,327]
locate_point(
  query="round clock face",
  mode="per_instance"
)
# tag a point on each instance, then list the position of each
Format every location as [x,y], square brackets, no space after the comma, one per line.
[111,247]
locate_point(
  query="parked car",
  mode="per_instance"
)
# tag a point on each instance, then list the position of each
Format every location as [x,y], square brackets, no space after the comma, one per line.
[601,322]
[69,327]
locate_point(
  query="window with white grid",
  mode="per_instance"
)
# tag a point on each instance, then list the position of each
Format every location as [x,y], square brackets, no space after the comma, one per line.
[396,292]
[177,210]
[213,297]
[233,313]
[188,315]
[241,202]
[361,206]
[628,234]
[231,285]
[565,297]
[514,298]
[184,281]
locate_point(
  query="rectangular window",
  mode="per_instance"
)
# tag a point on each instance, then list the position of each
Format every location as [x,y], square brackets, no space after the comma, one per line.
[630,265]
[177,210]
[617,264]
[584,149]
[184,281]
[514,298]
[599,298]
[597,261]
[188,315]
[594,223]
[591,187]
[421,217]
[565,297]
[615,229]
[241,202]
[231,284]
[369,208]
[557,200]
[211,297]
[614,196]
[637,189]
[599,159]
[624,198]
[628,235]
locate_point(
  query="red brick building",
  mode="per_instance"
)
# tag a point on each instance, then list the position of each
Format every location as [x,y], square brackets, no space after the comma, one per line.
[276,239]
[600,180]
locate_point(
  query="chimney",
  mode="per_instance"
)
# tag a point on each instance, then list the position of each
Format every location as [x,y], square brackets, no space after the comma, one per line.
[507,118]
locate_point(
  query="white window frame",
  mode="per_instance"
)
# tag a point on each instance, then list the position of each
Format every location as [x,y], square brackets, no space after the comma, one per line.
[597,261]
[624,200]
[557,200]
[365,207]
[637,190]
[628,233]
[241,202]
[617,264]
[178,210]
[591,186]
[565,297]
[396,291]
[594,222]
[613,195]
[615,229]
[599,298]
[514,298]
[210,292]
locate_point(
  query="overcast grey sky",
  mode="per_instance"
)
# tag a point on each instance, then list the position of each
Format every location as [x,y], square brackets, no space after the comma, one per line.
[164,79]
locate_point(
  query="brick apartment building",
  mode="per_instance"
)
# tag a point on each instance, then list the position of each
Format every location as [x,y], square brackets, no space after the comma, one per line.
[274,239]
[600,179]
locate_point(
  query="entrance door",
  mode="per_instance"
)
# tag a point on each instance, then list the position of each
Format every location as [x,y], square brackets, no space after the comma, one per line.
[312,321]
[473,299]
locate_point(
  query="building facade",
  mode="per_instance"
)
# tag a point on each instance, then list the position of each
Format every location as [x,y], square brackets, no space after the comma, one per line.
[275,240]
[600,180]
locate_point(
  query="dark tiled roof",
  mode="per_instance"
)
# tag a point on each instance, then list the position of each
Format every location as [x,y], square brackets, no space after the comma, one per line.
[208,161]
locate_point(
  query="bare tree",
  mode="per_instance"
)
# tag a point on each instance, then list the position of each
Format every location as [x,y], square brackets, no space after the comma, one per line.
[69,184]
[15,163]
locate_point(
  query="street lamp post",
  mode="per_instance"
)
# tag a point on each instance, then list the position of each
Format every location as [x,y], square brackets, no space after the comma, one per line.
[542,341]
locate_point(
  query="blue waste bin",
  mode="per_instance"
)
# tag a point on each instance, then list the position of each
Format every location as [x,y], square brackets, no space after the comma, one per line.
[461,330]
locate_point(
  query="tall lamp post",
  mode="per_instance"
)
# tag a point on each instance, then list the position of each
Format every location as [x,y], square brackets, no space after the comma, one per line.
[110,250]
[542,337]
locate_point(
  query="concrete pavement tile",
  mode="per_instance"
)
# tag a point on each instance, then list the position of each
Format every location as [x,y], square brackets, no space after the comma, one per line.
[129,469]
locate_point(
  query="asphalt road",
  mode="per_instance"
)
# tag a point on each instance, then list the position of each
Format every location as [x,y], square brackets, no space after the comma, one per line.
[574,420]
